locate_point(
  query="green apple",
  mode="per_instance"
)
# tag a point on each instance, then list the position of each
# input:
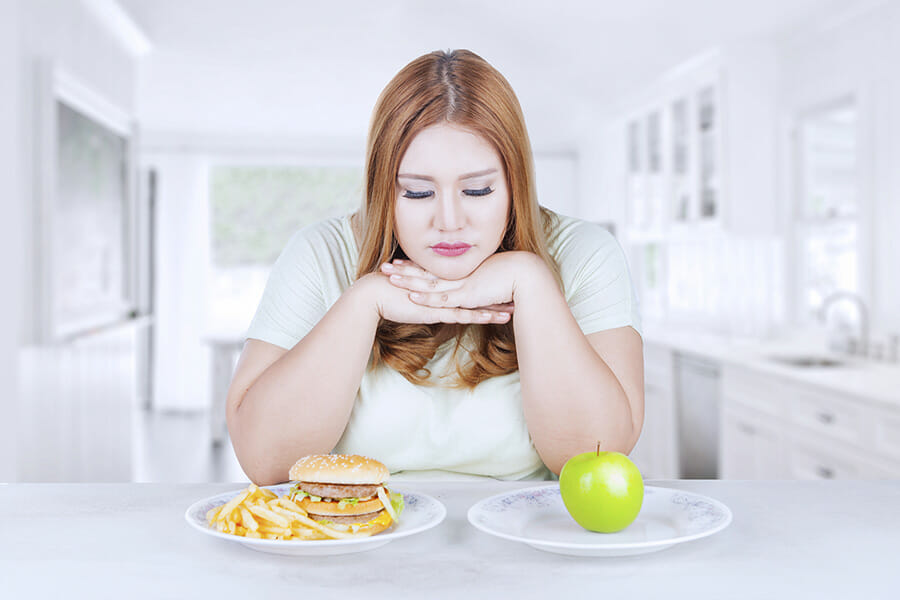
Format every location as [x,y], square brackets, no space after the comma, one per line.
[603,491]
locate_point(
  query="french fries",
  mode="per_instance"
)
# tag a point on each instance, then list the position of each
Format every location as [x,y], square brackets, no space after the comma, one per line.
[261,514]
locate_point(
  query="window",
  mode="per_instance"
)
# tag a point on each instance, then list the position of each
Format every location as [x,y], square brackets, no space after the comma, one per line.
[254,211]
[827,209]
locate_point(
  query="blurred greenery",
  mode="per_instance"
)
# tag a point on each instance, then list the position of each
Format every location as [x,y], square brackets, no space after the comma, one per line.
[256,210]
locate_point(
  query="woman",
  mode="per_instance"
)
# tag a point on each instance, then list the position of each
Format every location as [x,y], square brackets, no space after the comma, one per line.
[451,324]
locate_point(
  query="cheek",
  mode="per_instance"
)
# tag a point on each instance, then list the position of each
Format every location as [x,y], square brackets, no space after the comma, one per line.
[499,215]
[409,226]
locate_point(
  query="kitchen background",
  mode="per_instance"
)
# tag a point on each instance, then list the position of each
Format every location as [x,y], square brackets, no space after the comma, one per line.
[158,154]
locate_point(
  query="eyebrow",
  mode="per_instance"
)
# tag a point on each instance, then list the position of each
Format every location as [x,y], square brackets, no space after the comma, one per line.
[461,177]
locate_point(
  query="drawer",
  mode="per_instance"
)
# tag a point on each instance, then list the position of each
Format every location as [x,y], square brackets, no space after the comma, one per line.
[836,419]
[887,434]
[807,462]
[757,391]
[883,469]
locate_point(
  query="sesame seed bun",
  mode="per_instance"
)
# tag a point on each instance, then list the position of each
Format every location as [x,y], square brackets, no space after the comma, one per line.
[349,469]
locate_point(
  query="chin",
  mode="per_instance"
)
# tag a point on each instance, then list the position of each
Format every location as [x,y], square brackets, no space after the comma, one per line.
[452,271]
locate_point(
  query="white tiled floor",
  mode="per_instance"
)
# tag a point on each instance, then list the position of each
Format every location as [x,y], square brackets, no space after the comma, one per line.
[177,448]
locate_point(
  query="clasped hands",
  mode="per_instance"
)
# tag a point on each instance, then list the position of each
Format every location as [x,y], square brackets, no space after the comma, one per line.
[485,296]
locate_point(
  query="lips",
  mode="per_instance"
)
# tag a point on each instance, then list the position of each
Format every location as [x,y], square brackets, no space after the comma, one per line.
[451,249]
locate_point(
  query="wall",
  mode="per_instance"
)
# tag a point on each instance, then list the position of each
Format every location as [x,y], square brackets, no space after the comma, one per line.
[181,359]
[601,180]
[11,234]
[32,32]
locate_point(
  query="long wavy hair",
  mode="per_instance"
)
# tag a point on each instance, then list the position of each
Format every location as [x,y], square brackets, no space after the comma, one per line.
[461,88]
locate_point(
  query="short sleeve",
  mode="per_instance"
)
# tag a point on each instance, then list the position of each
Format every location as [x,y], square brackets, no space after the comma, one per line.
[596,277]
[293,300]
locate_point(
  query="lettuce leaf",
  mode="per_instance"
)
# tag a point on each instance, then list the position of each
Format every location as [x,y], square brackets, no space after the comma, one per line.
[397,502]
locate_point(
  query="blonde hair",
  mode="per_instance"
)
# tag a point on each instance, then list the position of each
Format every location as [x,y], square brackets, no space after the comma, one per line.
[458,87]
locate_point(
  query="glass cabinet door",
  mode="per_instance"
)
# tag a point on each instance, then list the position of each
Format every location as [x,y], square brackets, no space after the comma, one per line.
[708,143]
[655,181]
[680,177]
[636,204]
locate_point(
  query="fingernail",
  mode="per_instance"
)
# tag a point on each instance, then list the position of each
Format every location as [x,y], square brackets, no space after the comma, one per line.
[396,277]
[415,295]
[387,267]
[485,315]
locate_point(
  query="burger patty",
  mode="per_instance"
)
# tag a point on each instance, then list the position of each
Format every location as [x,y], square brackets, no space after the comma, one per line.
[348,520]
[338,491]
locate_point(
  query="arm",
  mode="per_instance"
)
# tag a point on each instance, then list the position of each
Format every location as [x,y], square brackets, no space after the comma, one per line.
[285,404]
[576,389]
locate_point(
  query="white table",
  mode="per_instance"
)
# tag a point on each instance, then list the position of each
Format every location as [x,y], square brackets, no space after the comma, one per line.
[836,539]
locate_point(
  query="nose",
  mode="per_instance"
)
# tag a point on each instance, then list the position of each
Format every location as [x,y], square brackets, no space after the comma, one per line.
[449,213]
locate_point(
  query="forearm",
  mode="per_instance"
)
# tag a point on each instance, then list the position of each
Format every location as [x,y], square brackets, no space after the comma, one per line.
[301,404]
[570,396]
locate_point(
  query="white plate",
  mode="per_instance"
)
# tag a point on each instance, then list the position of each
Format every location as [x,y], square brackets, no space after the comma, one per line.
[537,517]
[420,512]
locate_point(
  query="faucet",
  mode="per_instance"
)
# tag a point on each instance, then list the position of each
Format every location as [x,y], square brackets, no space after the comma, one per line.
[863,339]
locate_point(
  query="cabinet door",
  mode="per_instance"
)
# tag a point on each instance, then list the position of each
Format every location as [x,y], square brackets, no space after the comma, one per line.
[682,192]
[810,459]
[708,128]
[655,453]
[751,448]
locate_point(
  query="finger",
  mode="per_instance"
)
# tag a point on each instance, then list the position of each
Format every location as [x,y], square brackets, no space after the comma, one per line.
[444,299]
[467,316]
[506,307]
[404,267]
[452,299]
[418,284]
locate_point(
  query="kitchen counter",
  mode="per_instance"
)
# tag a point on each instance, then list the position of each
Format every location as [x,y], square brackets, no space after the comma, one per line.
[857,377]
[833,539]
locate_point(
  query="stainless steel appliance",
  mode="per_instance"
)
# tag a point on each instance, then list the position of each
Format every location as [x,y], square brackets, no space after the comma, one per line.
[698,410]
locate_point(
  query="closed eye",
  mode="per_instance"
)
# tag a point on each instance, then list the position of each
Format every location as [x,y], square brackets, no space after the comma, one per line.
[417,195]
[481,192]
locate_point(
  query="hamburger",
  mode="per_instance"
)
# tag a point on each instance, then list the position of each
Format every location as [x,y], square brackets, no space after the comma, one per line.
[345,492]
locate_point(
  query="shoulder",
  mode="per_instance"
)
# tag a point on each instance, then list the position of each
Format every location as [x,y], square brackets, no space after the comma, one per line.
[324,233]
[574,240]
[325,241]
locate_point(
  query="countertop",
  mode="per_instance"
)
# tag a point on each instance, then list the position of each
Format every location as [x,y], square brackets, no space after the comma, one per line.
[788,539]
[857,377]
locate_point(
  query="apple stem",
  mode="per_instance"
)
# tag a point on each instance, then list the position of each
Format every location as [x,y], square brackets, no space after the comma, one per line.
[598,448]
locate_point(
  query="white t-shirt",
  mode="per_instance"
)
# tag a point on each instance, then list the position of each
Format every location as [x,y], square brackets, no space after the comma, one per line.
[425,431]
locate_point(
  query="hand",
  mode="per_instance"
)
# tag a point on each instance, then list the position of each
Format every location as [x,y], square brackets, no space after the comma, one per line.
[492,286]
[393,303]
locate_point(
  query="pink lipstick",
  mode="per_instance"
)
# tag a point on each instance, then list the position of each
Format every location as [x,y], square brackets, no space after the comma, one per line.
[453,249]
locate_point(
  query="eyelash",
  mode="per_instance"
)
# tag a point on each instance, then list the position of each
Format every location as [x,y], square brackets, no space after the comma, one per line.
[419,195]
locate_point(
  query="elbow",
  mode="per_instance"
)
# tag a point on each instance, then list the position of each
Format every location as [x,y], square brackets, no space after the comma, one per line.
[637,427]
[249,451]
[262,478]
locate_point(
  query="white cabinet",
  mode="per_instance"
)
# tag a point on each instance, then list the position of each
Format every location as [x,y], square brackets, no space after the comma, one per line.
[773,428]
[813,457]
[701,148]
[751,447]
[656,453]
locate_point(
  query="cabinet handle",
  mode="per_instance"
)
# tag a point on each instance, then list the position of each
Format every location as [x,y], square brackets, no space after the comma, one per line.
[825,418]
[825,472]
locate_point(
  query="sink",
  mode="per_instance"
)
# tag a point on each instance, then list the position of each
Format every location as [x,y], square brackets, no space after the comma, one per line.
[808,361]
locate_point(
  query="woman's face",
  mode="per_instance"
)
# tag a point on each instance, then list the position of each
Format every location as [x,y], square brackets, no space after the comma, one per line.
[452,201]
